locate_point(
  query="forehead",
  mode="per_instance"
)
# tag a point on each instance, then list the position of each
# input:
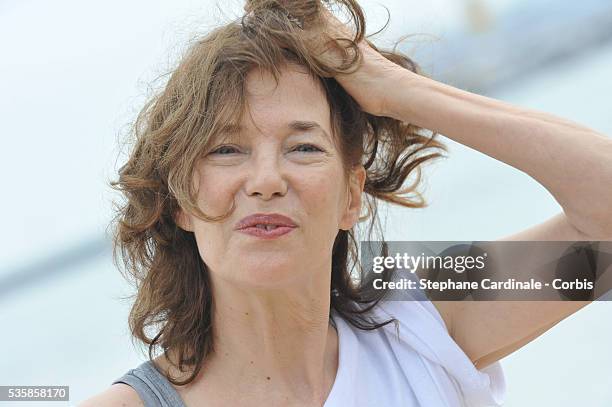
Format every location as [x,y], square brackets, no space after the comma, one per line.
[298,102]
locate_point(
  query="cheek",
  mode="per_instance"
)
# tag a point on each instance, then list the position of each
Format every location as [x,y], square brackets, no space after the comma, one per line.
[324,209]
[216,192]
[214,199]
[324,201]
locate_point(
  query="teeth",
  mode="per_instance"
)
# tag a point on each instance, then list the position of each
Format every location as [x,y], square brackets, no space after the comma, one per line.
[267,227]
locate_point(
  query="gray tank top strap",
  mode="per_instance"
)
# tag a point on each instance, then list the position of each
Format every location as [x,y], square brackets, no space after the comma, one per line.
[153,387]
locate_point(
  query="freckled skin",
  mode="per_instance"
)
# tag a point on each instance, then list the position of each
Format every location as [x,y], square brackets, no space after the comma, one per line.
[263,173]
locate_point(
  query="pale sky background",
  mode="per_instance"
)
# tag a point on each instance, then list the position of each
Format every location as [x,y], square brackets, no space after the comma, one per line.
[73,74]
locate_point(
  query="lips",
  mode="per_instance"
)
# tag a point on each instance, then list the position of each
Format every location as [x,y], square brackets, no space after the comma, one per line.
[265,221]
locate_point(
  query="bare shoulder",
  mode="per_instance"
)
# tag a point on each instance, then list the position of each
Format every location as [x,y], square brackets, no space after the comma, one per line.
[117,395]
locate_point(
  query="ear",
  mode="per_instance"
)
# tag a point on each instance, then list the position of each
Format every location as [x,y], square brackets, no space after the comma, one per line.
[356,185]
[182,220]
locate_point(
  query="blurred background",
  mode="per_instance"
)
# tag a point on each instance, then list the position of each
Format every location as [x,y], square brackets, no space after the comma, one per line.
[74,74]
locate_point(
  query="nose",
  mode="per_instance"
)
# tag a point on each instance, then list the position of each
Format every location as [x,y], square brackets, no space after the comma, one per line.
[265,176]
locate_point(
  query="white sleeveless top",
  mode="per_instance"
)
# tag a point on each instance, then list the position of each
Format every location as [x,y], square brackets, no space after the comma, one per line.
[422,367]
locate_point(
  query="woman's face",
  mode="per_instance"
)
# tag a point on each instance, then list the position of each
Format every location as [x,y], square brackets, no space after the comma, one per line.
[275,169]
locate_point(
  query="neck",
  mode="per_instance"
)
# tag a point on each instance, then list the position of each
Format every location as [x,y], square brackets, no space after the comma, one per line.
[277,344]
[278,340]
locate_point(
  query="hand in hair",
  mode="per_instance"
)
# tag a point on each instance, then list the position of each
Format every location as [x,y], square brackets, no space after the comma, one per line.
[334,44]
[370,83]
[375,75]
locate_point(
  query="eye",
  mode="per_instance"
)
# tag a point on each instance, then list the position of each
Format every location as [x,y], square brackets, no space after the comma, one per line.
[223,148]
[317,149]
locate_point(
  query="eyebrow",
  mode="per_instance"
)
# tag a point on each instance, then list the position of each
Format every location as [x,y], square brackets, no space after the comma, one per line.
[297,125]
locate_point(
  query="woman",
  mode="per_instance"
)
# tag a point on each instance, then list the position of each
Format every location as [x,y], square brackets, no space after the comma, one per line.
[269,121]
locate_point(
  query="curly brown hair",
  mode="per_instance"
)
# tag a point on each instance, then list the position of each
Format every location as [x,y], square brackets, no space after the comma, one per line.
[204,95]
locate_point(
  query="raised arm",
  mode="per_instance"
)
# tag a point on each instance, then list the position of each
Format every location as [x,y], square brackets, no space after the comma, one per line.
[573,162]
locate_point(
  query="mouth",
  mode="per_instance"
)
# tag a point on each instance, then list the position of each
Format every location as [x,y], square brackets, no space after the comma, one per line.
[265,221]
[266,225]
